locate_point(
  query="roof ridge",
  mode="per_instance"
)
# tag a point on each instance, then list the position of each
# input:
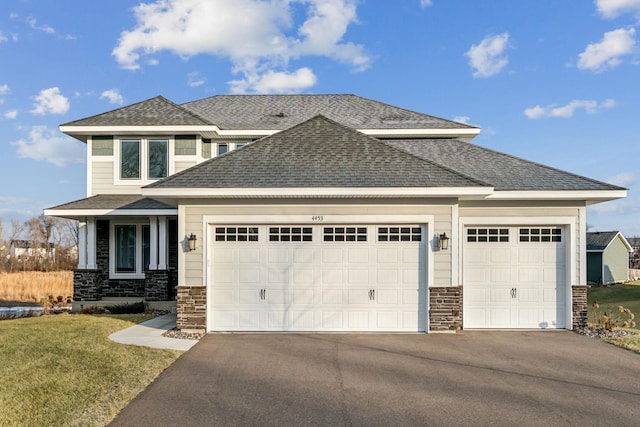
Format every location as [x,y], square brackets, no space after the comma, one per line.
[416,112]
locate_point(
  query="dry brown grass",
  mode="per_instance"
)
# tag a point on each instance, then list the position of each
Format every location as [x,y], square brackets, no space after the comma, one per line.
[35,286]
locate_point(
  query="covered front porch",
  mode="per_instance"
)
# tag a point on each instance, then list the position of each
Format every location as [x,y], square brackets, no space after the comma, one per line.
[127,251]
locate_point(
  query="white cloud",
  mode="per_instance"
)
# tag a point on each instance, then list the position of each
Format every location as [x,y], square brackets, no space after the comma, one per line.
[50,101]
[11,114]
[426,3]
[624,179]
[4,89]
[276,82]
[194,79]
[261,43]
[113,95]
[48,145]
[488,57]
[3,38]
[31,21]
[607,53]
[568,110]
[614,8]
[462,119]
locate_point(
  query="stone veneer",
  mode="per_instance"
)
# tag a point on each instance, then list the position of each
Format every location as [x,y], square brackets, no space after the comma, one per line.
[191,307]
[579,306]
[87,285]
[445,308]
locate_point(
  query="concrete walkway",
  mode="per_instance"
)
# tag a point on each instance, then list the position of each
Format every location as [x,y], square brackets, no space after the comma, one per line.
[149,334]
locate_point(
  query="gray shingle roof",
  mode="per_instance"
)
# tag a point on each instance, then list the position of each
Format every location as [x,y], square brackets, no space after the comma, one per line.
[317,153]
[113,202]
[598,240]
[504,172]
[157,111]
[277,112]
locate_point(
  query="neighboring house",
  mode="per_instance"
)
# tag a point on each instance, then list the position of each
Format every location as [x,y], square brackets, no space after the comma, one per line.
[634,255]
[325,213]
[607,257]
[27,249]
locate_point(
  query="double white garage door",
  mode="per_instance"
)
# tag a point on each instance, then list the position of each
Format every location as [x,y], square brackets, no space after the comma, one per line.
[514,277]
[338,277]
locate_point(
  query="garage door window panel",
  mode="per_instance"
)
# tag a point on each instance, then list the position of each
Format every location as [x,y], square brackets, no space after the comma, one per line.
[488,235]
[547,234]
[236,234]
[345,234]
[290,234]
[400,234]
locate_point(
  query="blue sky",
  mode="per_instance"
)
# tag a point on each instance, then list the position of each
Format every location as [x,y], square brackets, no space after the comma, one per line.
[552,81]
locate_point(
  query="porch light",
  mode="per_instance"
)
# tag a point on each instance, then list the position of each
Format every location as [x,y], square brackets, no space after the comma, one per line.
[443,242]
[192,242]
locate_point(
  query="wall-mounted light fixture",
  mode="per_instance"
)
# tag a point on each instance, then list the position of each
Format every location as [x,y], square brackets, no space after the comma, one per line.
[192,242]
[443,242]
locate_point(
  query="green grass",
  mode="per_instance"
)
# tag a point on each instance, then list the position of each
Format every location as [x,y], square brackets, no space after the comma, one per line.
[64,371]
[609,298]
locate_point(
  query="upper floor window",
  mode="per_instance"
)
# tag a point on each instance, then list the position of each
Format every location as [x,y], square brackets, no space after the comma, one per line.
[154,151]
[158,158]
[130,159]
[222,148]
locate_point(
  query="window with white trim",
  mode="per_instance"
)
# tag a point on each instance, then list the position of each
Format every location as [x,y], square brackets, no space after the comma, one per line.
[143,159]
[129,251]
[541,234]
[488,235]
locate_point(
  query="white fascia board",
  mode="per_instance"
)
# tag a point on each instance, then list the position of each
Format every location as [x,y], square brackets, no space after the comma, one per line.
[121,130]
[76,213]
[449,133]
[321,192]
[593,196]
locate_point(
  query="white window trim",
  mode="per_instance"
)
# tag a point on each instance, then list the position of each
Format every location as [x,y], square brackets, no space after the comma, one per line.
[113,274]
[144,160]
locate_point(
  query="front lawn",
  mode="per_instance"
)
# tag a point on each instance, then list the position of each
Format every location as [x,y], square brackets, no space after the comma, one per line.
[609,298]
[63,370]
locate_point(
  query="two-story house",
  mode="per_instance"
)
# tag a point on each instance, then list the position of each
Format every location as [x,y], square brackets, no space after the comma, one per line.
[324,213]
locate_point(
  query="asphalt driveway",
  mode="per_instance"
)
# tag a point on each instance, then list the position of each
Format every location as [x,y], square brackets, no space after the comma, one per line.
[469,378]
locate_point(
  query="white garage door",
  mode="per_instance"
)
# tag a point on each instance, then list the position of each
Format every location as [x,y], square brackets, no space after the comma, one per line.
[317,278]
[514,277]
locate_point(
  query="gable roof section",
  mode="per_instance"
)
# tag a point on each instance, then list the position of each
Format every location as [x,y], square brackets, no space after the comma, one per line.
[277,112]
[598,241]
[112,204]
[157,111]
[504,172]
[318,153]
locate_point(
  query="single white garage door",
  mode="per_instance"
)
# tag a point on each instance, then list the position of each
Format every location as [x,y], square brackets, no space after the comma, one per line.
[514,277]
[317,278]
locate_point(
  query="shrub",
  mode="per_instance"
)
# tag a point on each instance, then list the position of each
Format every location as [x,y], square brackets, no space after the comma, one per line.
[136,307]
[620,317]
[93,310]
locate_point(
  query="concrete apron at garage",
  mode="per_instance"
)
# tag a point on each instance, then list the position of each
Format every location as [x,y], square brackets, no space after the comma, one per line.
[470,378]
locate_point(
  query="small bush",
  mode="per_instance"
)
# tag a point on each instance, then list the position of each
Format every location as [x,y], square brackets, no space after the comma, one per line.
[620,317]
[136,307]
[93,310]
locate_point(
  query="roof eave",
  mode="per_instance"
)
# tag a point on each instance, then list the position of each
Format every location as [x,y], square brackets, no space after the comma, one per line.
[83,132]
[590,196]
